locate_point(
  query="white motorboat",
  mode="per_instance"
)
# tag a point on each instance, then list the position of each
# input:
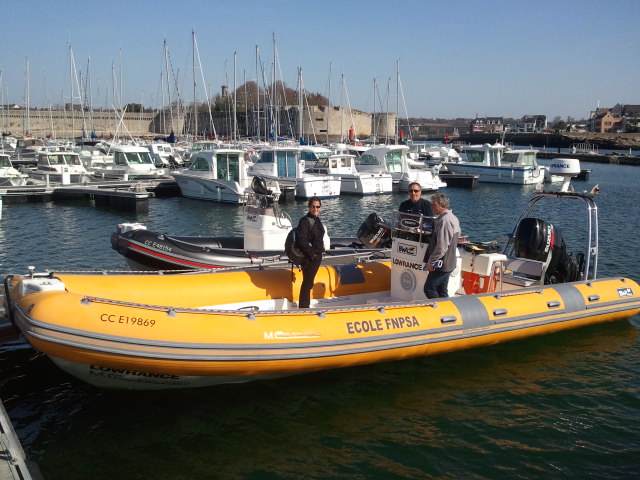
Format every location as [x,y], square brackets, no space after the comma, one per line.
[432,154]
[284,165]
[9,176]
[218,175]
[394,159]
[129,162]
[495,165]
[164,156]
[352,182]
[59,167]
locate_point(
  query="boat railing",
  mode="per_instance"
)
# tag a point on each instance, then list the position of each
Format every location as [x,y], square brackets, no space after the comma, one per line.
[589,265]
[409,226]
[585,148]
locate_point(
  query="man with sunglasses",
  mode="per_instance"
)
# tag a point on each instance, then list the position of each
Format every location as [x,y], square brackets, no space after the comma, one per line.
[416,204]
[310,239]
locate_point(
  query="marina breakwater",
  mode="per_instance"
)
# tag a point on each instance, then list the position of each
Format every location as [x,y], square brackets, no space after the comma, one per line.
[593,157]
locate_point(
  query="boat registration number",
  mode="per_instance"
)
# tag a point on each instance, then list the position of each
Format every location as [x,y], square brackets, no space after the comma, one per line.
[126,320]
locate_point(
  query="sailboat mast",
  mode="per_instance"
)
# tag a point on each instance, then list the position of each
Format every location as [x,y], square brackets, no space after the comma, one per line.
[195,104]
[275,105]
[329,103]
[375,122]
[386,141]
[397,123]
[246,103]
[342,108]
[257,97]
[25,123]
[300,105]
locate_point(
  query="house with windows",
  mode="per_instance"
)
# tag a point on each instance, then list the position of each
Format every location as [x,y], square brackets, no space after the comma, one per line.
[619,119]
[487,125]
[603,121]
[533,123]
[628,116]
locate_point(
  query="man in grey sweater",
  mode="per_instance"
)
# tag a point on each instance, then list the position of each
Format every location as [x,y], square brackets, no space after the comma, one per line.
[440,256]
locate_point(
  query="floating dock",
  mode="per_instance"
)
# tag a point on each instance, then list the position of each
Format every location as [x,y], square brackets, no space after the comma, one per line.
[13,461]
[130,196]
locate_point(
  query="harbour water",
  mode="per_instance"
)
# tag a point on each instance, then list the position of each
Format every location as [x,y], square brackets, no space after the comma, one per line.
[560,406]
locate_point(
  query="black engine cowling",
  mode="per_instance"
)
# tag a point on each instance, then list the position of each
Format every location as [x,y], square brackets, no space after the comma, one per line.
[259,185]
[538,240]
[375,232]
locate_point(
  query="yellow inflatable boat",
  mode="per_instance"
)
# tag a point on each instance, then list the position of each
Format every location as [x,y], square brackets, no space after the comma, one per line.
[149,331]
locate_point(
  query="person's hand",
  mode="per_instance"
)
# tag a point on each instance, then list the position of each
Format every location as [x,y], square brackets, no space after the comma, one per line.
[430,267]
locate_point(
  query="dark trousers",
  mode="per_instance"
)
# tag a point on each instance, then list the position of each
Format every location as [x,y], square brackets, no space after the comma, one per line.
[309,270]
[436,284]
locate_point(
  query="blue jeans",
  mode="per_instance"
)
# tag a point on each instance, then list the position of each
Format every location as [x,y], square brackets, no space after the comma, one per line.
[436,284]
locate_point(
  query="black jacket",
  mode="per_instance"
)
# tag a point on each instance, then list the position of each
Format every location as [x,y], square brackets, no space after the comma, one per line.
[422,206]
[310,236]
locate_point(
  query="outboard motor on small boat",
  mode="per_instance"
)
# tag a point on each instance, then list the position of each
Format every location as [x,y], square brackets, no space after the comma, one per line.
[375,232]
[539,240]
[259,185]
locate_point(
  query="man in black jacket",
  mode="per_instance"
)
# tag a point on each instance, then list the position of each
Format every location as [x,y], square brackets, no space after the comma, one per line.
[310,240]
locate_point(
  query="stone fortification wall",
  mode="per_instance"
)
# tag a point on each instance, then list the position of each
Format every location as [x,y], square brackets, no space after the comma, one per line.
[334,123]
[337,123]
[65,124]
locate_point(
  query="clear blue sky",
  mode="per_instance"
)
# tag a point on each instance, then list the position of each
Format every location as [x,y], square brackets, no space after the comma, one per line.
[457,58]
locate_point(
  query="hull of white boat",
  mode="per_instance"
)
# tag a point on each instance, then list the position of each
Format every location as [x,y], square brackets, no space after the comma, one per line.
[212,189]
[317,186]
[13,181]
[57,177]
[366,184]
[425,178]
[512,175]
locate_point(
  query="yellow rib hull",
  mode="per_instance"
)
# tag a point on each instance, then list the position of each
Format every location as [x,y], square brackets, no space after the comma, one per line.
[162,331]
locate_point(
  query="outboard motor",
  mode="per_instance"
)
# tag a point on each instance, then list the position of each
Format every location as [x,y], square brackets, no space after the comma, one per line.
[375,232]
[539,240]
[259,185]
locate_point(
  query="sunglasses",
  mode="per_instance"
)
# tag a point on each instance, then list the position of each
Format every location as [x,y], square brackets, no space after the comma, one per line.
[316,206]
[415,191]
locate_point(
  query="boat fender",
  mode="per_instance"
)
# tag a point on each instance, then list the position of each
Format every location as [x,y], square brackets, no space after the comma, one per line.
[129,227]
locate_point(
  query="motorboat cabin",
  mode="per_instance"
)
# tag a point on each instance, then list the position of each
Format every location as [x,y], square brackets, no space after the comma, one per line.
[394,159]
[219,175]
[495,165]
[284,165]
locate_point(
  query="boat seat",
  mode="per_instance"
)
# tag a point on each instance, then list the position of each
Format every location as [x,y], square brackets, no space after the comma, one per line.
[523,272]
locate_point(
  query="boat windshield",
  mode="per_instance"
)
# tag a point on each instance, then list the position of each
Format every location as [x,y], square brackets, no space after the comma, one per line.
[367,159]
[314,155]
[5,161]
[199,164]
[522,158]
[475,156]
[228,166]
[62,159]
[72,160]
[266,157]
[203,146]
[287,162]
[132,158]
[393,159]
[322,163]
